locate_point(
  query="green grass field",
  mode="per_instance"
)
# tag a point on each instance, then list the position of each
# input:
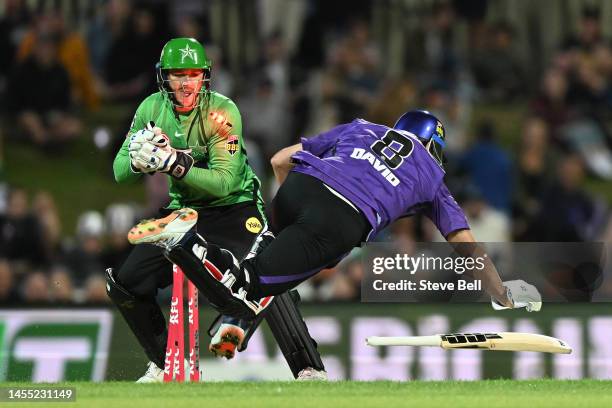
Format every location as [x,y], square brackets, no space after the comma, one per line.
[490,393]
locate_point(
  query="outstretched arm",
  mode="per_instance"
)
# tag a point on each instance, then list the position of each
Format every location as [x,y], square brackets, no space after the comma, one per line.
[281,162]
[464,243]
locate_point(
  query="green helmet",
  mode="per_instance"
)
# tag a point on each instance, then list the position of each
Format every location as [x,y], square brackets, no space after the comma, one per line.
[182,53]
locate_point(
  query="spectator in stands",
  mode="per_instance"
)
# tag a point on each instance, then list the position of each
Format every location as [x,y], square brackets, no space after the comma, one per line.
[440,44]
[276,64]
[224,80]
[552,102]
[39,94]
[353,272]
[352,77]
[119,220]
[496,68]
[95,290]
[265,117]
[61,289]
[590,88]
[320,288]
[45,210]
[8,292]
[13,26]
[109,19]
[586,59]
[403,235]
[567,210]
[35,288]
[489,224]
[586,137]
[20,232]
[72,54]
[191,26]
[490,168]
[84,259]
[266,108]
[391,102]
[589,34]
[535,158]
[341,288]
[132,56]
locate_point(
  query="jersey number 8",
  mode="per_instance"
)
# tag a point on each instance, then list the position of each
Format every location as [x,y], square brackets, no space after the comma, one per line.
[399,145]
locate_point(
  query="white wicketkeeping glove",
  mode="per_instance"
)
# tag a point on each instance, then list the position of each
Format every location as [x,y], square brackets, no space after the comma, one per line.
[522,294]
[146,139]
[163,158]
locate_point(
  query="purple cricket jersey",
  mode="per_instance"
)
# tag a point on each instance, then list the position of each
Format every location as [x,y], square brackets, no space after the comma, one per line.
[387,173]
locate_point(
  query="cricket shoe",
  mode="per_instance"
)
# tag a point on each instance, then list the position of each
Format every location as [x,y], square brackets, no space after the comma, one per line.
[226,340]
[154,374]
[166,232]
[312,374]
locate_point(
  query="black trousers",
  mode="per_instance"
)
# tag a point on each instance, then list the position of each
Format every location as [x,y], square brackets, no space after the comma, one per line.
[314,229]
[233,227]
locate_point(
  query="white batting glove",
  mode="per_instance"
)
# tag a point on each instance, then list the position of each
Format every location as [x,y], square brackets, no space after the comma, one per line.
[522,294]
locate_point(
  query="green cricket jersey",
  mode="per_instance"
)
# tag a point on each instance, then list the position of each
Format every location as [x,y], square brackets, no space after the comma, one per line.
[221,174]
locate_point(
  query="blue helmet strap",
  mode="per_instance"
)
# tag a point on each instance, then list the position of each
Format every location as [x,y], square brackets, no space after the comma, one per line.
[439,140]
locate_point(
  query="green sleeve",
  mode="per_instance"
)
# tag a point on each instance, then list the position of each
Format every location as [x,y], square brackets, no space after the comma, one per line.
[121,165]
[225,171]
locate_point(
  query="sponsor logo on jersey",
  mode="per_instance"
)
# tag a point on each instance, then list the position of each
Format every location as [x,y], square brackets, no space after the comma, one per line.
[253,225]
[362,154]
[232,144]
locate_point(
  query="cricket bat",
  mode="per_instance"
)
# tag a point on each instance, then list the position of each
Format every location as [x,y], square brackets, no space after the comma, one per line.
[505,341]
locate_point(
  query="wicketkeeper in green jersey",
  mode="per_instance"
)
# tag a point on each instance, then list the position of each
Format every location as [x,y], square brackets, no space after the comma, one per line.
[194,135]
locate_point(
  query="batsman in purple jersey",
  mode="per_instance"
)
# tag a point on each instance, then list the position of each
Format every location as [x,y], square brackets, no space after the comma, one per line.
[385,172]
[338,189]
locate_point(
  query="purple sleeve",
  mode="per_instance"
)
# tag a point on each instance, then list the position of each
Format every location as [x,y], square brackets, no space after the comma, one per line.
[319,144]
[446,213]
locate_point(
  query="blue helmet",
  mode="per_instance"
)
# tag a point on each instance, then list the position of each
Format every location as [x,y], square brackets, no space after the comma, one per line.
[427,128]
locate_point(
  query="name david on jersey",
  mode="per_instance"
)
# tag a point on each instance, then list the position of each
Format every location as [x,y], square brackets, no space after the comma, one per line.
[362,154]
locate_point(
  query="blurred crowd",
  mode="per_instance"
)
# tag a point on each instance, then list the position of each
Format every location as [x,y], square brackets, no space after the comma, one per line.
[39,265]
[301,67]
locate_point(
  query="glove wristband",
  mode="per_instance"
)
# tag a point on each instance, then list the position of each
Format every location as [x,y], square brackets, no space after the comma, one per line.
[182,165]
